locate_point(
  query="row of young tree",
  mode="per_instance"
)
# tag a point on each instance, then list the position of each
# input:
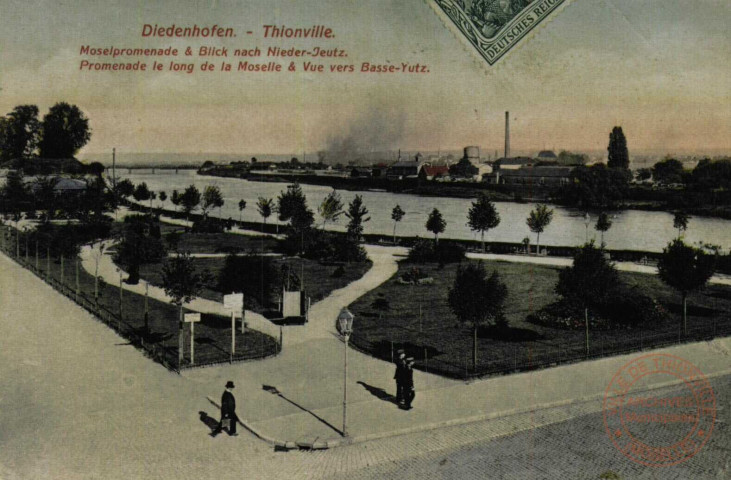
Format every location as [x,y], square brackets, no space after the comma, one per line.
[60,134]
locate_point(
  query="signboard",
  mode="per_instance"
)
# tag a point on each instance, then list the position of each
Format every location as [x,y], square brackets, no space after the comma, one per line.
[192,317]
[291,304]
[234,302]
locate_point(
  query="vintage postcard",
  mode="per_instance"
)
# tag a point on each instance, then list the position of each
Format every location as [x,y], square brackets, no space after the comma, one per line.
[384,239]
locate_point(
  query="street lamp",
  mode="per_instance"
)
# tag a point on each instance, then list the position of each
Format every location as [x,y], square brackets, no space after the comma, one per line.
[345,327]
[587,221]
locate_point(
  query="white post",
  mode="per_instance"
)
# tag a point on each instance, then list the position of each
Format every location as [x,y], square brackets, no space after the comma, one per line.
[192,343]
[345,388]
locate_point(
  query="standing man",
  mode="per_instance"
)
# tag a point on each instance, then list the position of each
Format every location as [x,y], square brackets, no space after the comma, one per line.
[228,412]
[399,376]
[408,383]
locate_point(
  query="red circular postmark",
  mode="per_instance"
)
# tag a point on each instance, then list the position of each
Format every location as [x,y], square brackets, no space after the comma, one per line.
[655,429]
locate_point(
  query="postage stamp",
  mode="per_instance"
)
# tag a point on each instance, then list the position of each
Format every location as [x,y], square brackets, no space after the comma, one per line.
[493,27]
[659,430]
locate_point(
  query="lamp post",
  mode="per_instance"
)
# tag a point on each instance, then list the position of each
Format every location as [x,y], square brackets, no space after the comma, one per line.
[345,327]
[587,221]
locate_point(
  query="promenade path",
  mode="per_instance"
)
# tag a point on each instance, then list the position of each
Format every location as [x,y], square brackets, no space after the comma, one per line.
[78,402]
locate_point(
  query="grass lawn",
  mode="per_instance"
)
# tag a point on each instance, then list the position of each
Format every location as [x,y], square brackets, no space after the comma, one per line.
[319,280]
[439,343]
[212,334]
[218,242]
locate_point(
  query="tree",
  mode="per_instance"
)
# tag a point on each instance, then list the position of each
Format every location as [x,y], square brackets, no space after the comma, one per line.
[212,198]
[190,199]
[162,196]
[125,188]
[182,284]
[572,159]
[21,130]
[14,192]
[588,282]
[242,206]
[396,215]
[680,221]
[357,214]
[482,216]
[64,131]
[292,207]
[264,206]
[477,299]
[595,187]
[603,223]
[175,199]
[95,168]
[618,153]
[330,208]
[538,219]
[436,224]
[668,171]
[140,244]
[644,174]
[686,269]
[141,192]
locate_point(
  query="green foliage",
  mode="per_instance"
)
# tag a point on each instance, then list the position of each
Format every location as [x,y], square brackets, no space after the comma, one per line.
[436,223]
[618,153]
[483,216]
[572,159]
[668,171]
[265,207]
[19,132]
[14,193]
[190,199]
[590,280]
[125,188]
[539,218]
[595,187]
[644,174]
[141,192]
[603,224]
[140,244]
[331,208]
[182,283]
[65,129]
[425,251]
[475,298]
[397,213]
[357,214]
[712,174]
[292,208]
[685,268]
[212,198]
[208,225]
[680,221]
[256,277]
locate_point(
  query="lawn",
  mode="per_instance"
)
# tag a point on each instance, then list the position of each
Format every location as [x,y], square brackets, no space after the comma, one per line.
[218,242]
[418,318]
[213,333]
[319,278]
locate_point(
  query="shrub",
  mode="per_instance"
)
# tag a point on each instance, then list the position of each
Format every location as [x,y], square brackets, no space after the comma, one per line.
[256,277]
[208,225]
[424,251]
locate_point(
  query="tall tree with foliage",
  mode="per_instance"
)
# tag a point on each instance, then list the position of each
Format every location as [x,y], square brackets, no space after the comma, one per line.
[141,192]
[125,188]
[330,208]
[436,224]
[292,207]
[182,284]
[162,196]
[20,132]
[396,215]
[242,207]
[668,171]
[212,198]
[482,217]
[65,129]
[680,221]
[603,223]
[140,244]
[190,199]
[588,282]
[477,299]
[538,219]
[686,269]
[618,157]
[175,199]
[357,213]
[265,207]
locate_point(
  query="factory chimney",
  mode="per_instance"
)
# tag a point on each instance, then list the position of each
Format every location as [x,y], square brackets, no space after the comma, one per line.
[507,134]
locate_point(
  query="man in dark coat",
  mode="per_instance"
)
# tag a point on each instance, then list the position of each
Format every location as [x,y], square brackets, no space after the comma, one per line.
[228,411]
[408,383]
[399,376]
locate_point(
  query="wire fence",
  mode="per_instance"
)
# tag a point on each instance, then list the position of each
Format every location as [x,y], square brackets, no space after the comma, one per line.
[252,345]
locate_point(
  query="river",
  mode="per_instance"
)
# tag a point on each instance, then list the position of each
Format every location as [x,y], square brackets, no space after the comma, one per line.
[631,229]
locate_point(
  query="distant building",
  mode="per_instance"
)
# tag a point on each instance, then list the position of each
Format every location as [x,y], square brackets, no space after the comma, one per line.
[406,168]
[379,170]
[361,172]
[549,176]
[547,156]
[433,172]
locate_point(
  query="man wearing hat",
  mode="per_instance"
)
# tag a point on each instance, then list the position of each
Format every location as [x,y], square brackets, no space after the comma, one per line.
[399,376]
[228,412]
[408,383]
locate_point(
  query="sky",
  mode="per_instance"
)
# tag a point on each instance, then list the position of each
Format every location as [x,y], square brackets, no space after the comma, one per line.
[658,68]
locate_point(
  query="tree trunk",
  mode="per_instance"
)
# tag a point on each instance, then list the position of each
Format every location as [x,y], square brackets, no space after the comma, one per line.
[685,313]
[394,233]
[586,320]
[538,243]
[482,238]
[180,336]
[474,350]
